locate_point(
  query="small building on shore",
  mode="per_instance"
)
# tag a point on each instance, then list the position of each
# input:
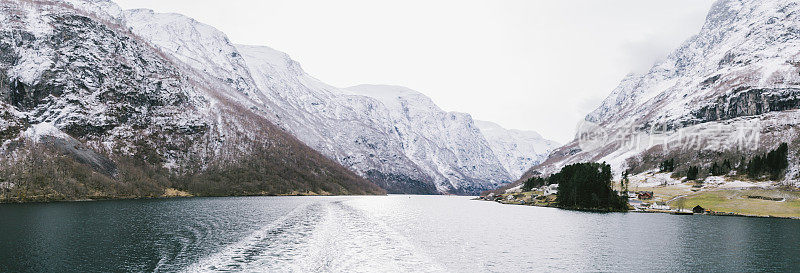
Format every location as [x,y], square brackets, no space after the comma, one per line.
[660,206]
[698,209]
[644,195]
[550,189]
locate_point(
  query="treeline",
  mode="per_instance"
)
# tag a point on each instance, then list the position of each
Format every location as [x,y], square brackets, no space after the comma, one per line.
[533,182]
[771,165]
[39,173]
[721,169]
[585,186]
[260,174]
[667,165]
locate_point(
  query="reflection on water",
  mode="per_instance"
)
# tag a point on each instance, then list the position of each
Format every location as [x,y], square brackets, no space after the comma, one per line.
[379,233]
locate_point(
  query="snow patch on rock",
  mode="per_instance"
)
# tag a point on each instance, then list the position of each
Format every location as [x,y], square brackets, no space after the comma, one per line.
[37,131]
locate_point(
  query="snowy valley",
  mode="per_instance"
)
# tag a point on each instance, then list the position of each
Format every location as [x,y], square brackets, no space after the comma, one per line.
[183,100]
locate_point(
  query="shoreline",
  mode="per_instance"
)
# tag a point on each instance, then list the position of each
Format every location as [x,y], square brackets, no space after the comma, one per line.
[717,213]
[3,202]
[677,213]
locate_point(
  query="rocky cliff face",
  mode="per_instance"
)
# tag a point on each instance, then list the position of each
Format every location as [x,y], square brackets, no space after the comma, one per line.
[403,149]
[733,88]
[354,130]
[746,49]
[446,145]
[75,79]
[178,95]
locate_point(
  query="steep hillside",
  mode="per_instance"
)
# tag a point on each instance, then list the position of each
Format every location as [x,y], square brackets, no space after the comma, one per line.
[351,129]
[517,150]
[360,132]
[76,86]
[446,144]
[181,100]
[731,90]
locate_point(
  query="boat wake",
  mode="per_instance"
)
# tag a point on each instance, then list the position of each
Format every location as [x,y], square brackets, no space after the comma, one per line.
[325,236]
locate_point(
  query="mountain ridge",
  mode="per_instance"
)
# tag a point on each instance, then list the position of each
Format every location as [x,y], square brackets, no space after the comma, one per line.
[211,107]
[107,96]
[357,131]
[519,149]
[726,90]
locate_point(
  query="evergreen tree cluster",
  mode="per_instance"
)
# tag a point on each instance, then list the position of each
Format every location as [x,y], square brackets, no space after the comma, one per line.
[721,169]
[667,165]
[533,182]
[625,182]
[587,186]
[692,173]
[772,164]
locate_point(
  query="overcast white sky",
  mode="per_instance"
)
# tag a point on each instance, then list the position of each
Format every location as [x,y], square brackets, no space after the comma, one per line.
[532,65]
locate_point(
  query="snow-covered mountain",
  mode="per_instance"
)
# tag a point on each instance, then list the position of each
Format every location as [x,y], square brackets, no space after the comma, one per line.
[733,88]
[215,91]
[410,148]
[76,85]
[517,150]
[446,145]
[354,130]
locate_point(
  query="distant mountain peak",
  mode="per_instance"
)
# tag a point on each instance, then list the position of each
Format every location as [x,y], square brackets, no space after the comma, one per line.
[517,150]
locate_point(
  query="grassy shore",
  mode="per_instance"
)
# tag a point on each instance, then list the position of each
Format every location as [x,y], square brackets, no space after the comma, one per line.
[723,194]
[752,201]
[778,203]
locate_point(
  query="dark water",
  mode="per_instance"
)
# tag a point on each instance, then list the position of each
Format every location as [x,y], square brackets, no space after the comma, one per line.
[379,234]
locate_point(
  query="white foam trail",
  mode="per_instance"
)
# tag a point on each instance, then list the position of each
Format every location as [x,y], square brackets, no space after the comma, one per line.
[349,240]
[274,241]
[328,236]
